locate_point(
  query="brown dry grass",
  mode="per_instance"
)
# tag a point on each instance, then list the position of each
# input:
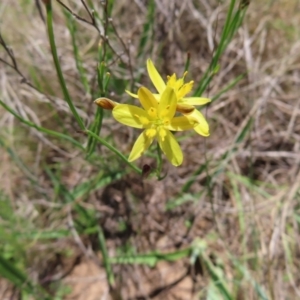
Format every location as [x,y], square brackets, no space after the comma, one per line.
[267,47]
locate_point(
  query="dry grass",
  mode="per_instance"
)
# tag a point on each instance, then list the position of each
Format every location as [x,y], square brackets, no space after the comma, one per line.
[248,212]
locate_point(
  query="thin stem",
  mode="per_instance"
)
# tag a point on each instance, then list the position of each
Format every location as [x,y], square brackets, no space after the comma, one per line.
[75,15]
[113,149]
[39,8]
[14,64]
[94,24]
[42,129]
[107,264]
[57,65]
[89,13]
[159,163]
[127,51]
[187,63]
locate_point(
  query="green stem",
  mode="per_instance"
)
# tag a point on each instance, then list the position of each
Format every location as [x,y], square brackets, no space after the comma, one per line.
[159,163]
[113,149]
[187,63]
[42,129]
[96,127]
[107,265]
[57,65]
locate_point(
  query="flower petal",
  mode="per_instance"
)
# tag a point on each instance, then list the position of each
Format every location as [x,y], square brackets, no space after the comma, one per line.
[185,89]
[130,115]
[155,77]
[167,104]
[195,100]
[140,146]
[178,84]
[147,99]
[181,123]
[202,128]
[157,97]
[170,148]
[172,80]
[131,94]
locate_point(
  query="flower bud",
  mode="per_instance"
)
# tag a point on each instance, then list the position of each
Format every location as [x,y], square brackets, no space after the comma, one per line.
[105,103]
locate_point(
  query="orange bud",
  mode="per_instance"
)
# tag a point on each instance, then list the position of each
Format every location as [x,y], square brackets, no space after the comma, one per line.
[105,103]
[185,108]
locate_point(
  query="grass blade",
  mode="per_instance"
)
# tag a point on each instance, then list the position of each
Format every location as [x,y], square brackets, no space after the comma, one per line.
[232,23]
[57,64]
[73,29]
[150,259]
[107,262]
[14,275]
[42,129]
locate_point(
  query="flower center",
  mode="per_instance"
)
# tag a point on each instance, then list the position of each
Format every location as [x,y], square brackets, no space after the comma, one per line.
[156,122]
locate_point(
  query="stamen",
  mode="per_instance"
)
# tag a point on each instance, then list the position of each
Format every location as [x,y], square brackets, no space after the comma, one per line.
[151,132]
[162,133]
[143,120]
[167,122]
[152,112]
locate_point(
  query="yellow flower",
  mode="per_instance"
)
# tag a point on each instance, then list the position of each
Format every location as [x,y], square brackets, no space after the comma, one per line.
[157,119]
[185,105]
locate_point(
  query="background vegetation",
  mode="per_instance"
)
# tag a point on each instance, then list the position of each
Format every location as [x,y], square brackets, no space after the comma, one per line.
[78,222]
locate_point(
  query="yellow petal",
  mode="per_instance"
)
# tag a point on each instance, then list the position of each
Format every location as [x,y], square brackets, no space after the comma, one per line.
[202,128]
[185,89]
[178,84]
[167,104]
[130,115]
[147,99]
[157,97]
[155,77]
[140,146]
[131,94]
[170,148]
[195,100]
[181,123]
[171,80]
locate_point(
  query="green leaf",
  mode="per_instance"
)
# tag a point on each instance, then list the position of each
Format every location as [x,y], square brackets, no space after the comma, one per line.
[14,275]
[151,258]
[57,65]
